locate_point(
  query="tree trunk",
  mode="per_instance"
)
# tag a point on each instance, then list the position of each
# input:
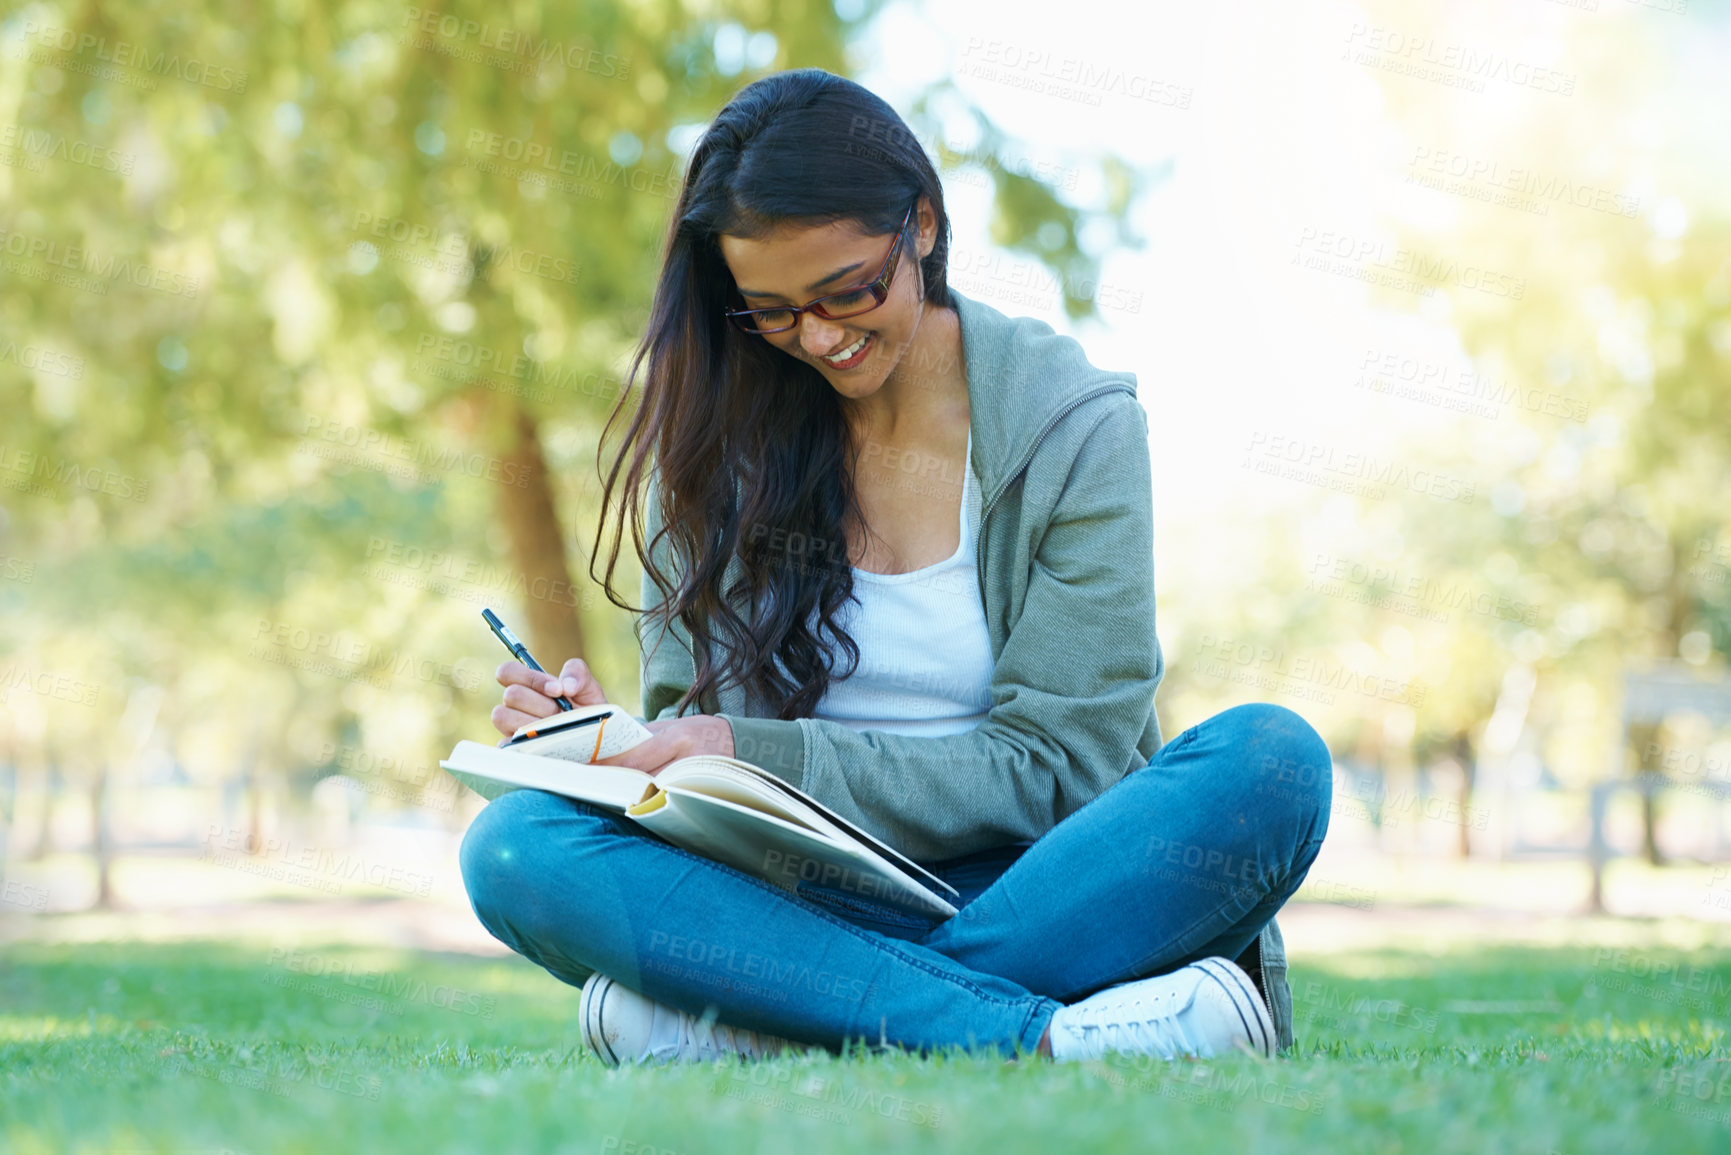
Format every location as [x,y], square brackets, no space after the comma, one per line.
[30,806]
[101,845]
[1650,819]
[531,518]
[254,789]
[1644,735]
[1463,754]
[1681,598]
[9,799]
[1367,755]
[51,783]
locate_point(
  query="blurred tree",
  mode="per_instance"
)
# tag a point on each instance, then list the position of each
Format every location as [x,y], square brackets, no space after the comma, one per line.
[1607,339]
[320,293]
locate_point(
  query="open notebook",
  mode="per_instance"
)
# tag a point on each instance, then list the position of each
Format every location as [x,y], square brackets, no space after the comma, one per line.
[722,808]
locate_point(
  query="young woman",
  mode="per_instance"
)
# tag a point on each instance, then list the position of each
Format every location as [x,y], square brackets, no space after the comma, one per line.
[898,550]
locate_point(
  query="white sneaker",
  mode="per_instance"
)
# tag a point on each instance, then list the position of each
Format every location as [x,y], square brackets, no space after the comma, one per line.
[622,1026]
[1205,1009]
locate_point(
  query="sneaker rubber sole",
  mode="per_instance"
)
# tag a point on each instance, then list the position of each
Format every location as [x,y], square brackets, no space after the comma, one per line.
[595,991]
[1241,992]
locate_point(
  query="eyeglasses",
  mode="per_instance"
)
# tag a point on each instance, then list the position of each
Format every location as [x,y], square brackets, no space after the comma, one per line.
[834,307]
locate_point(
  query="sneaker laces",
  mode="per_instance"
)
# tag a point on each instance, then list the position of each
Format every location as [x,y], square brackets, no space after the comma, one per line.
[704,1038]
[1116,1028]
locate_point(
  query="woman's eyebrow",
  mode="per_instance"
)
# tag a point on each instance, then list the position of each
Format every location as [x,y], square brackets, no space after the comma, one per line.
[815,285]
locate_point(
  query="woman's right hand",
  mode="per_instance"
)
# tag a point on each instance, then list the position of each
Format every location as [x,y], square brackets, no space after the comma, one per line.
[529,694]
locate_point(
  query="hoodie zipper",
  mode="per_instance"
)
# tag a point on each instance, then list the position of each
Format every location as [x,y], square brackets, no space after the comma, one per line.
[986,509]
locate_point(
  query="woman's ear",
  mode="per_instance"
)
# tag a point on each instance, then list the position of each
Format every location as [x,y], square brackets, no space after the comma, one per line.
[924,250]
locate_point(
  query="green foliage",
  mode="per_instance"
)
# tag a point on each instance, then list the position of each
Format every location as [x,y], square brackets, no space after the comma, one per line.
[1609,491]
[1581,260]
[285,307]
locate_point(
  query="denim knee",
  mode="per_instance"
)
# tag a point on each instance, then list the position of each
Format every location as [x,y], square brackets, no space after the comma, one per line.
[1289,761]
[496,859]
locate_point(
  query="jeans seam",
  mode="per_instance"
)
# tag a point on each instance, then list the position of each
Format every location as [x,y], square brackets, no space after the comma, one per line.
[1179,742]
[1141,964]
[865,909]
[1140,968]
[882,942]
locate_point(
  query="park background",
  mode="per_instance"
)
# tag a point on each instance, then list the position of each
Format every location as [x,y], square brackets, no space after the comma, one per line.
[311,316]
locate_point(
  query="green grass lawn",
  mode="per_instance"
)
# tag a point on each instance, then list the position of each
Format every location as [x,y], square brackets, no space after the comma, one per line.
[206,1047]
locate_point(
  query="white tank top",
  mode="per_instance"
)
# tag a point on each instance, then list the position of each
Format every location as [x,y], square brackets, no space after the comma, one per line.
[925,660]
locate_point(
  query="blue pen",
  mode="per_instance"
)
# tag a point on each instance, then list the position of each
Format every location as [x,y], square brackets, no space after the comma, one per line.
[520,651]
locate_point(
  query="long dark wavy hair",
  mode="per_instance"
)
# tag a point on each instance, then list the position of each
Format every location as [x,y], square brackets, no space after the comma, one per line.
[747,446]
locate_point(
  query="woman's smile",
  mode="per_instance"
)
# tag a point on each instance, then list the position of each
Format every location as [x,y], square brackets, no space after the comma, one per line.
[855,353]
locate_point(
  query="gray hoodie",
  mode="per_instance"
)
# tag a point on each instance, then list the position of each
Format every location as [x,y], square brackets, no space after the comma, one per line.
[1065,554]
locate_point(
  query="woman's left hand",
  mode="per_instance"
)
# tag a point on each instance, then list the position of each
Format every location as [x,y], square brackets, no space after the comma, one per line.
[676,738]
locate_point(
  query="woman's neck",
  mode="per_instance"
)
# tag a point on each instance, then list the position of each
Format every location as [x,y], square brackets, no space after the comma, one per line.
[928,384]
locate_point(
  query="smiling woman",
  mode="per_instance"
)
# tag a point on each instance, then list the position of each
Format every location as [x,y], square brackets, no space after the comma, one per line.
[834,451]
[782,405]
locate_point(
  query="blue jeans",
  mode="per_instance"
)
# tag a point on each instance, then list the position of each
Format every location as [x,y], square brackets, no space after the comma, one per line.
[1187,857]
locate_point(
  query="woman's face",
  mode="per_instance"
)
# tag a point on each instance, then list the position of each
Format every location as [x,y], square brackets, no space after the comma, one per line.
[796,265]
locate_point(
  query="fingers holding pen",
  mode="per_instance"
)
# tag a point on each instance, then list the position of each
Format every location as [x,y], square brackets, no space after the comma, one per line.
[530,701]
[578,684]
[529,694]
[522,702]
[508,721]
[575,681]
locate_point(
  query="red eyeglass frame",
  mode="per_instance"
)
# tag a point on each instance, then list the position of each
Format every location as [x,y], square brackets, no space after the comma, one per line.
[879,289]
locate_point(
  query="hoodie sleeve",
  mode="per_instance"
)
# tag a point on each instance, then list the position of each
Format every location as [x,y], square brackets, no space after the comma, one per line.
[1072,687]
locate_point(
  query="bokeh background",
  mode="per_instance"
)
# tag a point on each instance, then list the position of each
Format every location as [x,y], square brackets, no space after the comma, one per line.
[312,314]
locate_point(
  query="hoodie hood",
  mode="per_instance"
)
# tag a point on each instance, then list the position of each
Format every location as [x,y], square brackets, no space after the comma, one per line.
[1022,377]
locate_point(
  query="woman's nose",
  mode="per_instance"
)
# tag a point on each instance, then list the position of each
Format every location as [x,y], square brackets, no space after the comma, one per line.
[817,335]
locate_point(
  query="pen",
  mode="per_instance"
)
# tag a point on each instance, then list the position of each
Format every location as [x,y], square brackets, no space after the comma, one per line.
[520,651]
